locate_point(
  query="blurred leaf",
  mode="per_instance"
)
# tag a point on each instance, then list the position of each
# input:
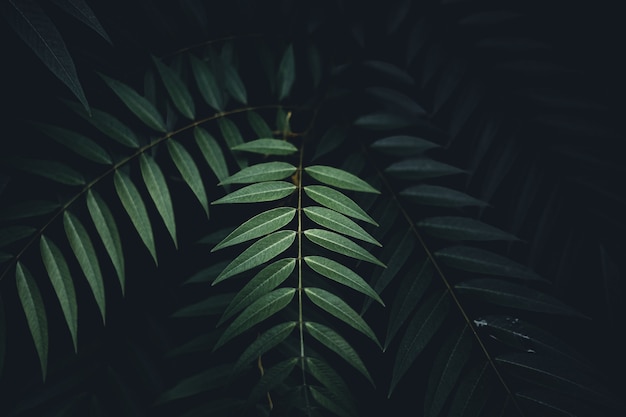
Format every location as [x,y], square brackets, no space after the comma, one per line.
[210,306]
[396,102]
[55,171]
[212,153]
[255,193]
[339,223]
[471,395]
[462,228]
[272,378]
[335,200]
[266,171]
[286,73]
[259,125]
[158,190]
[391,71]
[201,382]
[81,11]
[259,225]
[189,171]
[11,234]
[403,145]
[434,195]
[207,83]
[418,169]
[383,121]
[233,137]
[268,340]
[397,15]
[340,244]
[176,88]
[267,147]
[330,140]
[77,143]
[339,178]
[234,85]
[26,209]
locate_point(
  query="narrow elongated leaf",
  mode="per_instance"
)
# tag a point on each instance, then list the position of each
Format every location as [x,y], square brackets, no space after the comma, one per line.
[158,190]
[77,143]
[340,309]
[264,307]
[330,141]
[35,312]
[329,400]
[134,206]
[418,169]
[339,178]
[207,274]
[212,152]
[107,229]
[462,228]
[255,193]
[341,274]
[233,137]
[472,393]
[420,330]
[176,89]
[139,105]
[86,255]
[511,295]
[396,102]
[337,243]
[26,209]
[384,121]
[61,280]
[434,195]
[81,11]
[210,306]
[263,282]
[272,378]
[339,223]
[258,253]
[447,368]
[55,171]
[335,390]
[267,171]
[337,201]
[207,83]
[260,225]
[258,124]
[267,147]
[403,145]
[35,28]
[189,171]
[485,262]
[11,234]
[335,342]
[204,381]
[234,85]
[286,73]
[268,340]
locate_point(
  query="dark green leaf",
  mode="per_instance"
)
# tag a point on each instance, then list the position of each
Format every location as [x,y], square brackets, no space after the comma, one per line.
[403,145]
[420,168]
[264,307]
[261,251]
[339,223]
[434,195]
[158,190]
[11,234]
[189,171]
[340,244]
[339,178]
[234,85]
[3,336]
[511,295]
[233,137]
[86,256]
[259,125]
[267,147]
[329,378]
[272,378]
[81,11]
[176,89]
[55,171]
[212,153]
[268,340]
[462,228]
[286,73]
[25,209]
[472,393]
[134,206]
[210,306]
[267,171]
[35,312]
[5,257]
[80,144]
[337,201]
[329,400]
[140,106]
[330,141]
[61,280]
[383,121]
[207,83]
[201,382]
[396,102]
[264,191]
[207,274]
[391,71]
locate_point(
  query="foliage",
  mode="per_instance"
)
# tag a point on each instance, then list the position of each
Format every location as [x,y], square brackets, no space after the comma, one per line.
[304,211]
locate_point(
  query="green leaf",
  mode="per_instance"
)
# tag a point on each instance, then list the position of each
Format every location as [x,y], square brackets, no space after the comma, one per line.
[418,169]
[176,89]
[335,342]
[339,223]
[258,253]
[259,225]
[337,201]
[403,145]
[259,125]
[485,262]
[80,10]
[267,147]
[434,195]
[516,296]
[233,137]
[212,153]
[420,330]
[339,178]
[286,73]
[383,121]
[86,255]
[272,378]
[140,106]
[52,170]
[337,243]
[264,307]
[105,225]
[396,102]
[35,312]
[472,393]
[61,280]
[335,392]
[267,171]
[449,363]
[201,382]
[189,171]
[77,143]
[234,85]
[268,340]
[341,274]
[158,190]
[210,306]
[107,124]
[11,234]
[462,228]
[340,309]
[255,193]
[134,206]
[262,283]
[207,274]
[330,141]
[329,400]
[207,83]
[26,209]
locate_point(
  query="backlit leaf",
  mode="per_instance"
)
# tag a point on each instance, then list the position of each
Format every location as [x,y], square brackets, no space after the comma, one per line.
[134,206]
[189,171]
[87,259]
[176,89]
[340,244]
[434,195]
[339,223]
[267,147]
[383,121]
[264,307]
[337,201]
[158,190]
[266,171]
[261,251]
[286,73]
[403,145]
[259,225]
[35,312]
[462,228]
[268,340]
[80,144]
[61,280]
[212,152]
[255,193]
[420,168]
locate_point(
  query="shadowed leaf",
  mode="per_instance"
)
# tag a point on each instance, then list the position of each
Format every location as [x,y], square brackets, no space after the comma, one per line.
[403,145]
[176,89]
[462,228]
[434,195]
[189,171]
[80,144]
[158,190]
[286,73]
[268,340]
